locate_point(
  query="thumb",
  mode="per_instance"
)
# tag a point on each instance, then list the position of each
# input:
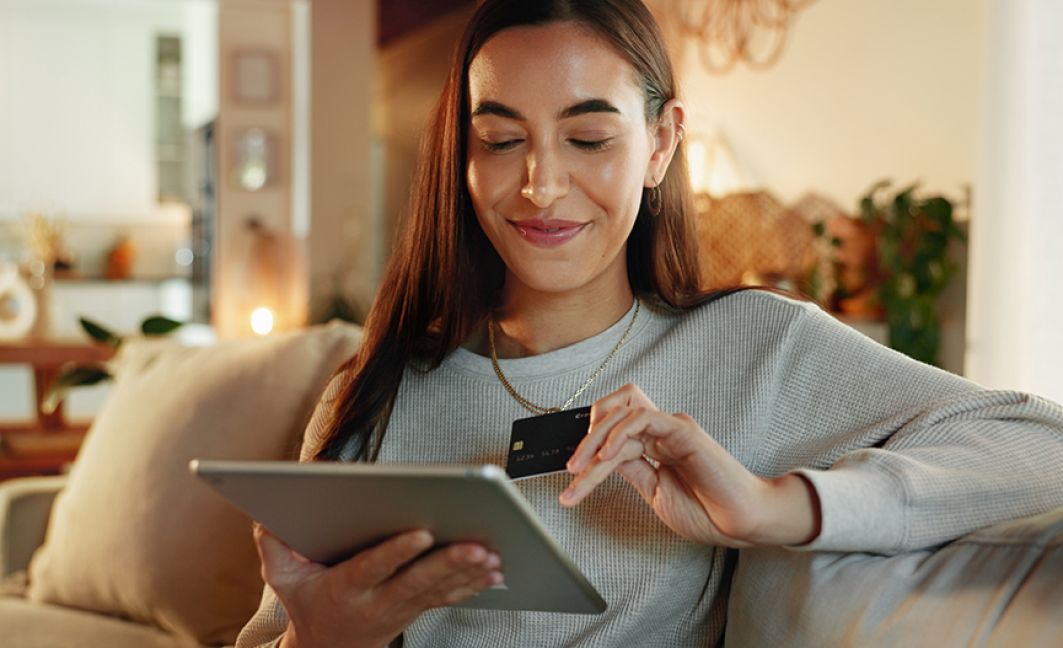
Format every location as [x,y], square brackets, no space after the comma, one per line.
[282,566]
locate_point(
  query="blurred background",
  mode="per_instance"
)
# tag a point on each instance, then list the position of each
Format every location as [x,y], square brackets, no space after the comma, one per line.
[243,165]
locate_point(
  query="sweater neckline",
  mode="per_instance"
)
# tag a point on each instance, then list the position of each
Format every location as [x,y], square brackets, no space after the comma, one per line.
[574,356]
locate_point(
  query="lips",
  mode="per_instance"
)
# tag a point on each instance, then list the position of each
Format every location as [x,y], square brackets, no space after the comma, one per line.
[547,233]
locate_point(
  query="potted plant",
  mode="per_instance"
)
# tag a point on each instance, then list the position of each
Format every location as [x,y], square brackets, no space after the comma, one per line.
[913,234]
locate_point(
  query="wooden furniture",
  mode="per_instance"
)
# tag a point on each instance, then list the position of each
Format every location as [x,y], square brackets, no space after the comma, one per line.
[47,444]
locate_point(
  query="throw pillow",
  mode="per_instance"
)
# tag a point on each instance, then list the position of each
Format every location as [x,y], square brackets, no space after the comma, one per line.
[134,534]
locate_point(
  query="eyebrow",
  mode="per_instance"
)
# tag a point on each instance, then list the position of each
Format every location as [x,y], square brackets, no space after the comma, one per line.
[581,108]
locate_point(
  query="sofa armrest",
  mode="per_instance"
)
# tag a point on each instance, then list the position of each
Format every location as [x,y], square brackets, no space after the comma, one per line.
[997,586]
[25,504]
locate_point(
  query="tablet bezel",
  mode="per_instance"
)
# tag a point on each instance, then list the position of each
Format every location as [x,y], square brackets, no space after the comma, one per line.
[454,502]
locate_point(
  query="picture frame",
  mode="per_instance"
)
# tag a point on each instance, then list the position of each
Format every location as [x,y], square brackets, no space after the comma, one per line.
[255,77]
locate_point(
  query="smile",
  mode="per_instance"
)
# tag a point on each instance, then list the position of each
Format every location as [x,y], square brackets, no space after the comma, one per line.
[548,233]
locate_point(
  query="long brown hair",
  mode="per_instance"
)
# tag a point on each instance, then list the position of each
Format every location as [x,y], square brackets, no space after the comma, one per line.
[445,275]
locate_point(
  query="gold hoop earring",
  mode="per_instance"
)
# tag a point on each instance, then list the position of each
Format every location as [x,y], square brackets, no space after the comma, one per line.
[654,201]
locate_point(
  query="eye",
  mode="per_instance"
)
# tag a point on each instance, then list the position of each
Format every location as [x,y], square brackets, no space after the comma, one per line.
[500,147]
[592,145]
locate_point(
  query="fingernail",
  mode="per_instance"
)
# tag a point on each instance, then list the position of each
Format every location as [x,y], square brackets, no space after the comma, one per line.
[477,555]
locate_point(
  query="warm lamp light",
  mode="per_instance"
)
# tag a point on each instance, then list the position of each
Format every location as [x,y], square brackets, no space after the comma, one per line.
[271,298]
[262,320]
[260,265]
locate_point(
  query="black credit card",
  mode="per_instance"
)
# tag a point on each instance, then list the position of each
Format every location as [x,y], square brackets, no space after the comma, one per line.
[543,444]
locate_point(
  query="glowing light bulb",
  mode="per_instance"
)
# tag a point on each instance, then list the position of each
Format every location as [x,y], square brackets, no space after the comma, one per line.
[262,321]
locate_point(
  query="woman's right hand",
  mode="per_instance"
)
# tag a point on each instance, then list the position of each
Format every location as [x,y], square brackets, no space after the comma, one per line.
[370,598]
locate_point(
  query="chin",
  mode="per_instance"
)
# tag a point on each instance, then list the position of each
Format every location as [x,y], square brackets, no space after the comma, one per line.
[557,280]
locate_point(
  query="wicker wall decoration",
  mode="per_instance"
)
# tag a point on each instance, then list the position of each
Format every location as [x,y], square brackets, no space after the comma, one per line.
[750,238]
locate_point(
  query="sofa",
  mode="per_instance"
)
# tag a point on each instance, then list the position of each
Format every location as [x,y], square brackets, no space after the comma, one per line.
[133,549]
[129,550]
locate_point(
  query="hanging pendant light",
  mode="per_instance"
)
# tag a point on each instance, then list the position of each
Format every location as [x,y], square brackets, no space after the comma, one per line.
[727,31]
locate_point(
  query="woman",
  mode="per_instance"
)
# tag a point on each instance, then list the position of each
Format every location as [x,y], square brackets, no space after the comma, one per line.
[548,264]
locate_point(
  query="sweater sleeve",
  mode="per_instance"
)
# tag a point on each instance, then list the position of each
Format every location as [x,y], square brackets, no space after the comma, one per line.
[901,454]
[267,626]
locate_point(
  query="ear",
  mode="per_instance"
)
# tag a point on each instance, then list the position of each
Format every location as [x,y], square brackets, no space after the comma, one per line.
[665,136]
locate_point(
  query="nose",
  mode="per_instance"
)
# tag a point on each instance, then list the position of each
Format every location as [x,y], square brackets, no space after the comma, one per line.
[547,180]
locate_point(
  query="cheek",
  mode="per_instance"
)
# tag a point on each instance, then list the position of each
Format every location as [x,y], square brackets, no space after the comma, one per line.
[486,189]
[615,183]
[487,181]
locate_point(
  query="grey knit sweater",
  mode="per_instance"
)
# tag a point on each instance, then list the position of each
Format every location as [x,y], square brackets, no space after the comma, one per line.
[902,455]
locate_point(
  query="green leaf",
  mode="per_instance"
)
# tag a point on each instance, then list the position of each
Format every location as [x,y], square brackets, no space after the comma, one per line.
[73,376]
[878,186]
[159,325]
[939,210]
[867,209]
[99,333]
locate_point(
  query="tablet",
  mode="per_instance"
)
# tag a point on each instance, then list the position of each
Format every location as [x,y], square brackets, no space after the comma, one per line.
[329,511]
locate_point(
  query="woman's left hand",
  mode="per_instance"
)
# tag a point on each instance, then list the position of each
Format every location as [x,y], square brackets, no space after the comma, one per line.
[690,481]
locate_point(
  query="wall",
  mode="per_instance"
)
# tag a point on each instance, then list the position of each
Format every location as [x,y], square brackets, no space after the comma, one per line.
[864,90]
[345,236]
[1016,301]
[77,115]
[410,74]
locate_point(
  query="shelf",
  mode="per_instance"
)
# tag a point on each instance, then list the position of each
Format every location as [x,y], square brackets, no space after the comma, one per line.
[12,468]
[105,281]
[46,445]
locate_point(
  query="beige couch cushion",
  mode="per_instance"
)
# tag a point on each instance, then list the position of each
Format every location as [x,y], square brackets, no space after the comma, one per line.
[134,534]
[30,625]
[1001,586]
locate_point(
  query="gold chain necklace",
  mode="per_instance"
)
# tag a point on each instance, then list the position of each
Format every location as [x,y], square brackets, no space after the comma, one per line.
[538,409]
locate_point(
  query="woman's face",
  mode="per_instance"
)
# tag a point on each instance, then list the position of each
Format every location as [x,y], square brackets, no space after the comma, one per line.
[559,152]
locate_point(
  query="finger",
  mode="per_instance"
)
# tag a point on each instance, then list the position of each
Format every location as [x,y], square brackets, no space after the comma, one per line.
[650,424]
[595,470]
[459,594]
[627,441]
[373,566]
[637,422]
[605,413]
[426,582]
[281,565]
[627,396]
[641,474]
[591,444]
[464,582]
[589,479]
[672,438]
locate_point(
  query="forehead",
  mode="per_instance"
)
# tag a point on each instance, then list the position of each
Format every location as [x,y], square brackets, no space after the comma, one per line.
[550,67]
